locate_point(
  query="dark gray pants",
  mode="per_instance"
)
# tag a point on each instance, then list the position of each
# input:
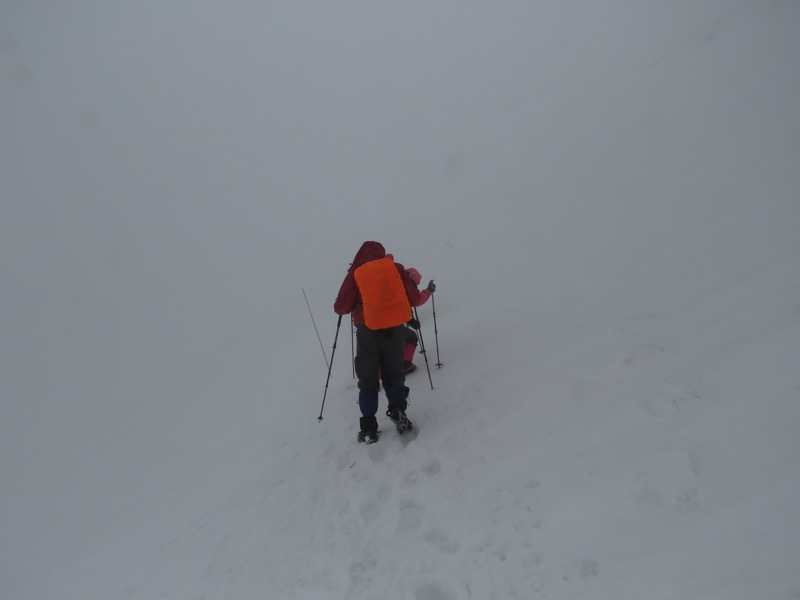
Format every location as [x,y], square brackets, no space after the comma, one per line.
[379,356]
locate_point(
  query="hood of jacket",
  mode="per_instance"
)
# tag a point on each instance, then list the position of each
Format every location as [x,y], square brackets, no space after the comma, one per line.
[368,251]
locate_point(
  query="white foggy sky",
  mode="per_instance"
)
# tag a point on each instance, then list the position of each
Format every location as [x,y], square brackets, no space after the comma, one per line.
[160,162]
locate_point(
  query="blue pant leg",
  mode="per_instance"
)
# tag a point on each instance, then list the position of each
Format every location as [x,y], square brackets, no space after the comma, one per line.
[368,402]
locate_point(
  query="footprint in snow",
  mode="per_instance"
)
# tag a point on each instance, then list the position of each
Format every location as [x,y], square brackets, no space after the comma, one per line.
[433,591]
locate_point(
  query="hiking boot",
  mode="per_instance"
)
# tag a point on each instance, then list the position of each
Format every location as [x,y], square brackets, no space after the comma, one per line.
[400,420]
[409,367]
[368,437]
[369,430]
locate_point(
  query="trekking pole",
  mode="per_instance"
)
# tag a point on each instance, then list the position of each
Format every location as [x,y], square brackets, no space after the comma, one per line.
[422,346]
[436,331]
[338,324]
[325,356]
[352,348]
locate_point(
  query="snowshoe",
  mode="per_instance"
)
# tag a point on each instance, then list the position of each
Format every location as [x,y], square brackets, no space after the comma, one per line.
[400,420]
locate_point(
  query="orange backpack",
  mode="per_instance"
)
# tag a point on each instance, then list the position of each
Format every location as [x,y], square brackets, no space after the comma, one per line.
[382,294]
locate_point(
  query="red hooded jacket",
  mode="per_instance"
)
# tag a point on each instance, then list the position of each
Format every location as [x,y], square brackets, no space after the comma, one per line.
[349,298]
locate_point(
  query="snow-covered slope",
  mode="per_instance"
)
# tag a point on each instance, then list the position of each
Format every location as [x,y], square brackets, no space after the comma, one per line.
[606,196]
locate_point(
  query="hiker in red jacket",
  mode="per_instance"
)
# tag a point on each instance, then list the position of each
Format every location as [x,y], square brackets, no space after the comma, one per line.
[380,294]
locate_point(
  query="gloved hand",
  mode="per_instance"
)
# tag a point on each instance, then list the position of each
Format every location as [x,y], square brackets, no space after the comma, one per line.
[431,286]
[413,323]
